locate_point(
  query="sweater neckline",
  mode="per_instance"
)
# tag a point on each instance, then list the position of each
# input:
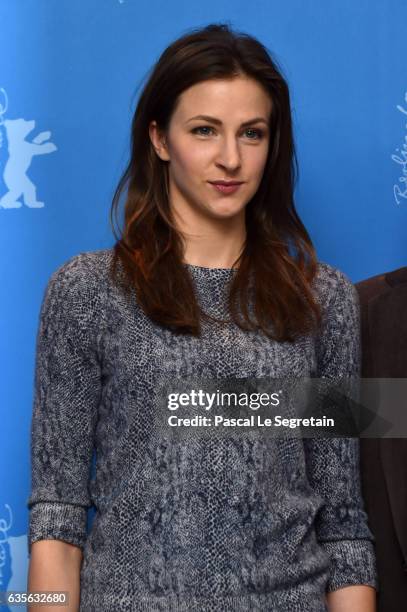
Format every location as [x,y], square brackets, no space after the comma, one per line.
[209,270]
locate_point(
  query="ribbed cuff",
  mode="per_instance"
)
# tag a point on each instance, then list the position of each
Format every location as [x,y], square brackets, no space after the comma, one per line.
[352,562]
[57,521]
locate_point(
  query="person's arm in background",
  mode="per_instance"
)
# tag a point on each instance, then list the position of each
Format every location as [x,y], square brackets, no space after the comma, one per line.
[333,468]
[66,397]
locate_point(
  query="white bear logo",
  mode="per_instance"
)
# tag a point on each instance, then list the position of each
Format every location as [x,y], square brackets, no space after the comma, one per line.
[21,152]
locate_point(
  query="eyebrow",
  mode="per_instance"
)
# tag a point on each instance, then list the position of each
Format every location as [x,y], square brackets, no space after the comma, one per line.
[219,122]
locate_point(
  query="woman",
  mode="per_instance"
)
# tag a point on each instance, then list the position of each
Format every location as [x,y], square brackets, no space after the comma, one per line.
[213,276]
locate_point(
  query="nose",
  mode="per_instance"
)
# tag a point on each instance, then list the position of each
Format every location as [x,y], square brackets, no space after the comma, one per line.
[229,154]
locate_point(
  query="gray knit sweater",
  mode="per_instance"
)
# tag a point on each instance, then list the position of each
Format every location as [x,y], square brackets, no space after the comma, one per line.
[267,525]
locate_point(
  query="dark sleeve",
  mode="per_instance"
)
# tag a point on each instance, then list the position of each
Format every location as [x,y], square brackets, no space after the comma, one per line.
[333,463]
[66,395]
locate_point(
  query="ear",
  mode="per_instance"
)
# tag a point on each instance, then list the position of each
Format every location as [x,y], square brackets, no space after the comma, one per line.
[158,141]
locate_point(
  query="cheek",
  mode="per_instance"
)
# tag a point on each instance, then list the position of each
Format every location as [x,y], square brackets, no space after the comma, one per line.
[256,162]
[189,159]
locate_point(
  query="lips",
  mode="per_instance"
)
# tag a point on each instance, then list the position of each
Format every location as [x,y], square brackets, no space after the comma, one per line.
[227,183]
[226,186]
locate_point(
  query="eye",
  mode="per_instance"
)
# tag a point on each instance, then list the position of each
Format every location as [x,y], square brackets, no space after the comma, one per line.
[258,132]
[201,127]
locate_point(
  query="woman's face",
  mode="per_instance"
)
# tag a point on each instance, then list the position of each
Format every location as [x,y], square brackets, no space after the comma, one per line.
[230,143]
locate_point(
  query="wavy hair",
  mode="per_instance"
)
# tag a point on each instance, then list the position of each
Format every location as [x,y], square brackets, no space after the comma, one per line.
[278,257]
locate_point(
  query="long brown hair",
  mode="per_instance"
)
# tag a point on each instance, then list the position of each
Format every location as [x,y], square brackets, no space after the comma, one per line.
[278,251]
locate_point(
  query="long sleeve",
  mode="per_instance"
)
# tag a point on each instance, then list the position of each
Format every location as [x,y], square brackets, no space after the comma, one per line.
[66,395]
[333,463]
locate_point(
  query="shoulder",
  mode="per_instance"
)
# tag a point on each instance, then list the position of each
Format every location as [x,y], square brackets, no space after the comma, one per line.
[85,273]
[77,287]
[87,266]
[379,284]
[333,287]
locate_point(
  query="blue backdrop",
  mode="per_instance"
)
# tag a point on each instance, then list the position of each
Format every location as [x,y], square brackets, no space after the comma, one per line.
[69,73]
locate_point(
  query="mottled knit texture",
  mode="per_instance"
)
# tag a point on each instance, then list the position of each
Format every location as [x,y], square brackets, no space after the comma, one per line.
[192,526]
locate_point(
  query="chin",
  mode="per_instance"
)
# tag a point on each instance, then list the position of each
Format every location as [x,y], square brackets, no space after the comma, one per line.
[226,212]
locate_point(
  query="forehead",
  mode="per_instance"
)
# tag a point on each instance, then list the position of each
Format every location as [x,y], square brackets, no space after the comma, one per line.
[226,97]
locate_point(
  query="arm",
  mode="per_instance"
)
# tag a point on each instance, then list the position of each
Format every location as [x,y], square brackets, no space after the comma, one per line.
[358,598]
[333,467]
[55,566]
[66,397]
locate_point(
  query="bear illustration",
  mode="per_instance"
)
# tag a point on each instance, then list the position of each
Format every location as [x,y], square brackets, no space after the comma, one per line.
[21,152]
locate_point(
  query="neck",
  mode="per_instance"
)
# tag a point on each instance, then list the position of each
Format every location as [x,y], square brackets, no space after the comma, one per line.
[211,242]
